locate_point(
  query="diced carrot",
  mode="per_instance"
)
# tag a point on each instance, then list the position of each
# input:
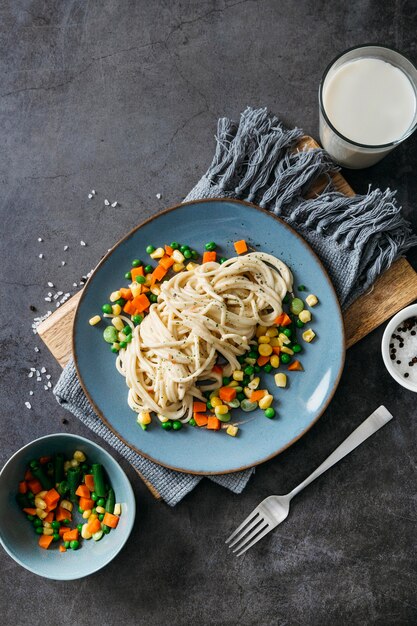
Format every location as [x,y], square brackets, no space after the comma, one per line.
[227,394]
[145,289]
[140,302]
[30,511]
[282,320]
[62,514]
[240,246]
[62,549]
[83,491]
[63,530]
[209,256]
[262,360]
[129,308]
[86,503]
[136,271]
[52,507]
[44,459]
[35,486]
[257,395]
[169,250]
[126,293]
[49,518]
[166,262]
[28,475]
[52,498]
[94,526]
[158,274]
[110,520]
[45,541]
[89,481]
[71,535]
[23,486]
[199,407]
[200,419]
[295,366]
[212,424]
[276,350]
[217,369]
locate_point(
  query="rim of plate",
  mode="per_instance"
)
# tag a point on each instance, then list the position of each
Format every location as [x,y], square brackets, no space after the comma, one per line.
[129,234]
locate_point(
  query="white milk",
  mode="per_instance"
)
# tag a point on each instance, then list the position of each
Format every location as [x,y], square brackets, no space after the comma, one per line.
[369,101]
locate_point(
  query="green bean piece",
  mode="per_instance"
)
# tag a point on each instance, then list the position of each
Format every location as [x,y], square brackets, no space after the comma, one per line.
[59,468]
[43,478]
[98,475]
[73,479]
[62,488]
[105,529]
[110,502]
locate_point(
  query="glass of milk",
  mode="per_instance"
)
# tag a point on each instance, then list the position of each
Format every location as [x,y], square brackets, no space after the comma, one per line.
[367,98]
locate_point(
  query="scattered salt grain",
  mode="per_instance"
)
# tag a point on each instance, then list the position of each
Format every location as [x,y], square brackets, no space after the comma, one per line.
[93,191]
[82,243]
[74,285]
[31,393]
[43,370]
[159,196]
[41,256]
[28,405]
[48,299]
[106,202]
[63,263]
[39,379]
[45,387]
[40,239]
[66,248]
[50,285]
[114,204]
[36,349]
[32,369]
[90,195]
[48,376]
[49,385]
[30,374]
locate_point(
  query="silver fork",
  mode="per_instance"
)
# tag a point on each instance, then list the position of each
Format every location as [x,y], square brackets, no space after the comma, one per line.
[274,510]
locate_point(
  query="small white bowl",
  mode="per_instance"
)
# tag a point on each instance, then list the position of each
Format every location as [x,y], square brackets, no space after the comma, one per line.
[396,321]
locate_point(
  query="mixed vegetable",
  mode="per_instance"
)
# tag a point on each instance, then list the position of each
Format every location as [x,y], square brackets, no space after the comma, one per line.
[54,488]
[270,349]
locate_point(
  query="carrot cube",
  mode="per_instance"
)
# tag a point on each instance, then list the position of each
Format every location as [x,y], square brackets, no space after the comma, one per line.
[282,320]
[125,293]
[45,541]
[49,518]
[295,366]
[30,511]
[241,246]
[63,530]
[86,504]
[209,256]
[199,407]
[213,423]
[129,308]
[94,526]
[71,535]
[136,271]
[140,303]
[166,262]
[110,520]
[23,486]
[200,419]
[52,498]
[158,274]
[169,250]
[35,486]
[262,360]
[257,395]
[227,394]
[83,491]
[62,549]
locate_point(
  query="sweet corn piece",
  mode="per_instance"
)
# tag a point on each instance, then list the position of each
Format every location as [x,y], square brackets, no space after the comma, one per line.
[100,509]
[117,509]
[191,266]
[284,339]
[66,504]
[118,323]
[261,330]
[233,383]
[215,401]
[308,335]
[312,300]
[254,384]
[85,533]
[275,342]
[136,289]
[92,517]
[264,339]
[250,361]
[144,418]
[272,332]
[41,513]
[74,463]
[280,380]
[266,401]
[115,295]
[116,309]
[156,290]
[238,375]
[98,535]
[221,409]
[67,465]
[178,267]
[115,346]
[214,394]
[48,531]
[274,361]
[39,503]
[79,456]
[87,513]
[247,392]
[148,279]
[94,320]
[265,349]
[42,494]
[232,430]
[287,350]
[47,525]
[178,256]
[304,316]
[162,418]
[157,254]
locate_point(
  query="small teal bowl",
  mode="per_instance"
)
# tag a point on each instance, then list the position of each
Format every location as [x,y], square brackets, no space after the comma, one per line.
[16,532]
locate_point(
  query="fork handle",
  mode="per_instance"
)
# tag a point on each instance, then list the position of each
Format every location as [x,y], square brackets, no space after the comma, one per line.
[373,423]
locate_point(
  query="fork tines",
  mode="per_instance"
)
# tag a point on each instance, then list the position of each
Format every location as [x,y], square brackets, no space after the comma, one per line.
[251,530]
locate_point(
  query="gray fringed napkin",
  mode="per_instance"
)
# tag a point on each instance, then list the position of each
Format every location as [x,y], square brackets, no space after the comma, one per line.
[356,238]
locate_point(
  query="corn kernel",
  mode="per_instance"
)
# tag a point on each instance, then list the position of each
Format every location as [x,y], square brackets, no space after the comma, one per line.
[284,339]
[233,383]
[42,494]
[144,418]
[74,463]
[41,513]
[280,380]
[48,531]
[162,418]
[265,349]
[254,384]
[85,533]
[178,256]
[79,456]
[122,336]
[275,342]
[148,279]
[94,320]
[136,289]
[215,401]
[266,401]
[67,465]
[47,525]
[115,346]
[87,513]
[100,509]
[238,375]
[191,266]
[178,267]
[274,361]
[221,409]
[264,339]
[157,254]
[66,504]
[312,300]
[247,392]
[305,316]
[39,503]
[272,332]
[214,394]
[232,430]
[115,295]
[116,309]
[261,330]
[117,509]
[98,535]
[308,335]
[250,361]
[287,350]
[156,290]
[118,323]
[92,517]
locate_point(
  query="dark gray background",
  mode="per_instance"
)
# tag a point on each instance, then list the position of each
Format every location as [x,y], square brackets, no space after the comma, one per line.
[123,97]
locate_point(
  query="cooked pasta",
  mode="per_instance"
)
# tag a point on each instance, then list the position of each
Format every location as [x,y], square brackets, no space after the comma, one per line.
[205,314]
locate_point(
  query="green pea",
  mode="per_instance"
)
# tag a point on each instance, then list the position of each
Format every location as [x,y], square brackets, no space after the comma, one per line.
[245,381]
[175,245]
[74,545]
[136,262]
[101,517]
[39,530]
[301,287]
[37,522]
[194,254]
[249,370]
[115,348]
[127,330]
[110,334]
[287,332]
[34,464]
[296,306]
[270,413]
[267,368]
[101,502]
[296,347]
[187,254]
[80,510]
[144,426]
[105,529]
[184,248]
[257,368]
[140,279]
[241,358]
[285,358]
[30,517]
[93,510]
[93,496]
[252,354]
[106,308]
[300,324]
[153,297]
[167,425]
[150,249]
[148,269]
[241,396]
[137,319]
[121,302]
[56,537]
[209,405]
[123,344]
[226,380]
[192,422]
[55,524]
[66,544]
[222,260]
[176,425]
[66,521]
[128,275]
[210,246]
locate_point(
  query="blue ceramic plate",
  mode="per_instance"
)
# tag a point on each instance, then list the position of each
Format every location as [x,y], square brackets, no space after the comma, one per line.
[16,532]
[298,407]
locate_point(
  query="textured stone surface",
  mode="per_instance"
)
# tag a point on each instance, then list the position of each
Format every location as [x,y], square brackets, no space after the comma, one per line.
[123,97]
